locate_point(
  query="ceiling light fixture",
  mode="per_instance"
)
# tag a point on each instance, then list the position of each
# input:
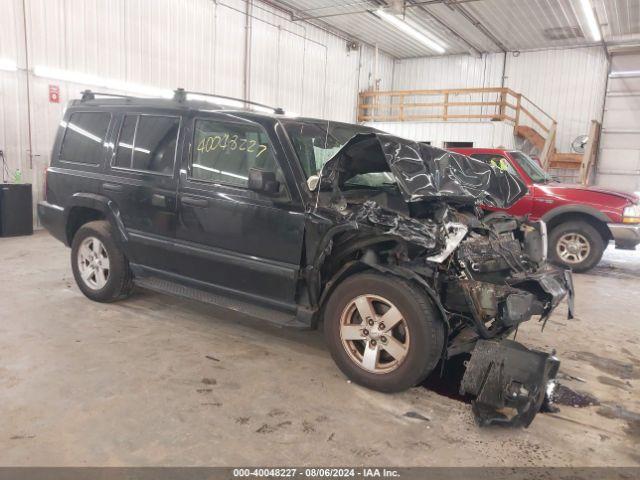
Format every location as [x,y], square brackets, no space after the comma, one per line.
[95,81]
[624,74]
[8,65]
[592,22]
[409,30]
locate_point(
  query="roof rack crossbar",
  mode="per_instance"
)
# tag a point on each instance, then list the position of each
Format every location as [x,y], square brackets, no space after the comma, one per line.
[91,95]
[181,94]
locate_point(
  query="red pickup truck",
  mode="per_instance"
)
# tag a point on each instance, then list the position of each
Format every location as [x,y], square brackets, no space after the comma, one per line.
[580,220]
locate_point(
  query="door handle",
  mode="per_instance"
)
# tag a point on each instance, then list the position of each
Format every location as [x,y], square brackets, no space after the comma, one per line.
[112,187]
[195,202]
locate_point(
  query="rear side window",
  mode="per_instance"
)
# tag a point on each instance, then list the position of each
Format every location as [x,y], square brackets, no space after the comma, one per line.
[147,143]
[224,152]
[84,137]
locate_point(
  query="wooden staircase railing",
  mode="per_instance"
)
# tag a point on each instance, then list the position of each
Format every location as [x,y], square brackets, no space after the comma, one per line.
[472,104]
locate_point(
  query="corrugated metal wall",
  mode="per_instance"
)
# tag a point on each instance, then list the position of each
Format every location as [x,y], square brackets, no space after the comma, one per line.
[619,160]
[569,84]
[454,71]
[487,134]
[196,44]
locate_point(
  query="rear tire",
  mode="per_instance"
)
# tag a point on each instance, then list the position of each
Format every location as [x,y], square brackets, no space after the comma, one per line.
[99,267]
[405,349]
[577,245]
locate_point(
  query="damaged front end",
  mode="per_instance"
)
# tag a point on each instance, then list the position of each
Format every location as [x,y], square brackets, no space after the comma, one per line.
[486,274]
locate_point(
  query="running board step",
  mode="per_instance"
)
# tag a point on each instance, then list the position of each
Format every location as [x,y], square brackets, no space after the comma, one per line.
[275,317]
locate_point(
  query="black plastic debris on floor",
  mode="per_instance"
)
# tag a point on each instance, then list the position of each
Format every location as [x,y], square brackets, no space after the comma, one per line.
[416,416]
[563,395]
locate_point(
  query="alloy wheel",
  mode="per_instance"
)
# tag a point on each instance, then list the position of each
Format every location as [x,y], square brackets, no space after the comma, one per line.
[374,334]
[93,263]
[573,248]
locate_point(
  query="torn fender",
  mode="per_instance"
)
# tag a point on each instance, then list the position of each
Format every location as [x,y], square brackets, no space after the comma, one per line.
[424,233]
[508,380]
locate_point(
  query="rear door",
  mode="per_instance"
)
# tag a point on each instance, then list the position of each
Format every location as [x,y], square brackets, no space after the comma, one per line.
[142,182]
[232,239]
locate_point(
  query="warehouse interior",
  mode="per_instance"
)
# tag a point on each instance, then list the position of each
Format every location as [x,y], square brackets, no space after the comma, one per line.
[158,380]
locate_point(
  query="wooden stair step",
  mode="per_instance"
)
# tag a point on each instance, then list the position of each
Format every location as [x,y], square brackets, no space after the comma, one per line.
[566,160]
[531,135]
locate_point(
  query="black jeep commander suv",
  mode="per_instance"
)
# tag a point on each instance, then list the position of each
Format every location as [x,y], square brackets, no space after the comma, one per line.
[298,221]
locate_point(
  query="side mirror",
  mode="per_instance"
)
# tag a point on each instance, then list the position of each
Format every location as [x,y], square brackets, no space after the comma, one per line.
[262,181]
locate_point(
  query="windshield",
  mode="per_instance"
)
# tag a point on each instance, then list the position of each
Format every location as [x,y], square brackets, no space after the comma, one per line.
[531,167]
[316,141]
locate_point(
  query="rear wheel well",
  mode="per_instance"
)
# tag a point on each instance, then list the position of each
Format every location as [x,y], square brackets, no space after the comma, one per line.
[78,216]
[599,225]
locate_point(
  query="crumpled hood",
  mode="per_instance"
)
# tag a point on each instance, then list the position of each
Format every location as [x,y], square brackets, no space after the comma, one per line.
[423,172]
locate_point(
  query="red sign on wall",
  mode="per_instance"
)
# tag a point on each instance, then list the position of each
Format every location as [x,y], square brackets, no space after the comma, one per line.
[54,94]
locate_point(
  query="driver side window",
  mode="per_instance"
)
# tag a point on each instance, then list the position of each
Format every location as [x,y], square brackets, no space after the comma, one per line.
[223,153]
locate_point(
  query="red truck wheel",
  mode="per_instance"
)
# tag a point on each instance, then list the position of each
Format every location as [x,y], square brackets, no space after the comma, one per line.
[577,245]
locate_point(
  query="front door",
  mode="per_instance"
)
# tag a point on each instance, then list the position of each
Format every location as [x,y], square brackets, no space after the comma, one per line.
[234,240]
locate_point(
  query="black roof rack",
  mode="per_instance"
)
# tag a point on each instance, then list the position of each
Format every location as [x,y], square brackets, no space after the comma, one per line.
[180,95]
[91,95]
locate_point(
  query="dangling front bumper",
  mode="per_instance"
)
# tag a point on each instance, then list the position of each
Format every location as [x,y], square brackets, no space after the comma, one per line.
[508,380]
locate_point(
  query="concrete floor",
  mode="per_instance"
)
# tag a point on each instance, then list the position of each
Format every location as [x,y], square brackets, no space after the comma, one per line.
[131,383]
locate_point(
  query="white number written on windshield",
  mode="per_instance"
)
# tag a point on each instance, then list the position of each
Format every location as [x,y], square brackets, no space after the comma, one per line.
[230,143]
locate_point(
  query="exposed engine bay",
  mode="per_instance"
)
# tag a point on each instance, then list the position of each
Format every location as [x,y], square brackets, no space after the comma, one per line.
[486,274]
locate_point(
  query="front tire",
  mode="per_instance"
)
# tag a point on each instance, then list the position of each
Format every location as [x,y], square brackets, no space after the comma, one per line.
[383,332]
[99,267]
[576,245]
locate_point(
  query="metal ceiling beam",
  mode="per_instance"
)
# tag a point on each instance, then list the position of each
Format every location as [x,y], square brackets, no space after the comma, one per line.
[454,5]
[473,50]
[294,14]
[379,4]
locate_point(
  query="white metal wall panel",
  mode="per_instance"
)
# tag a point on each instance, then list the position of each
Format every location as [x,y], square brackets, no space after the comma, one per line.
[195,44]
[342,81]
[290,71]
[13,115]
[265,53]
[13,123]
[619,159]
[315,74]
[568,84]
[228,45]
[386,66]
[455,71]
[494,134]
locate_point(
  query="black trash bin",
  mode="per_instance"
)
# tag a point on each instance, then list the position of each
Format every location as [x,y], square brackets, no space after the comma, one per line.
[16,209]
